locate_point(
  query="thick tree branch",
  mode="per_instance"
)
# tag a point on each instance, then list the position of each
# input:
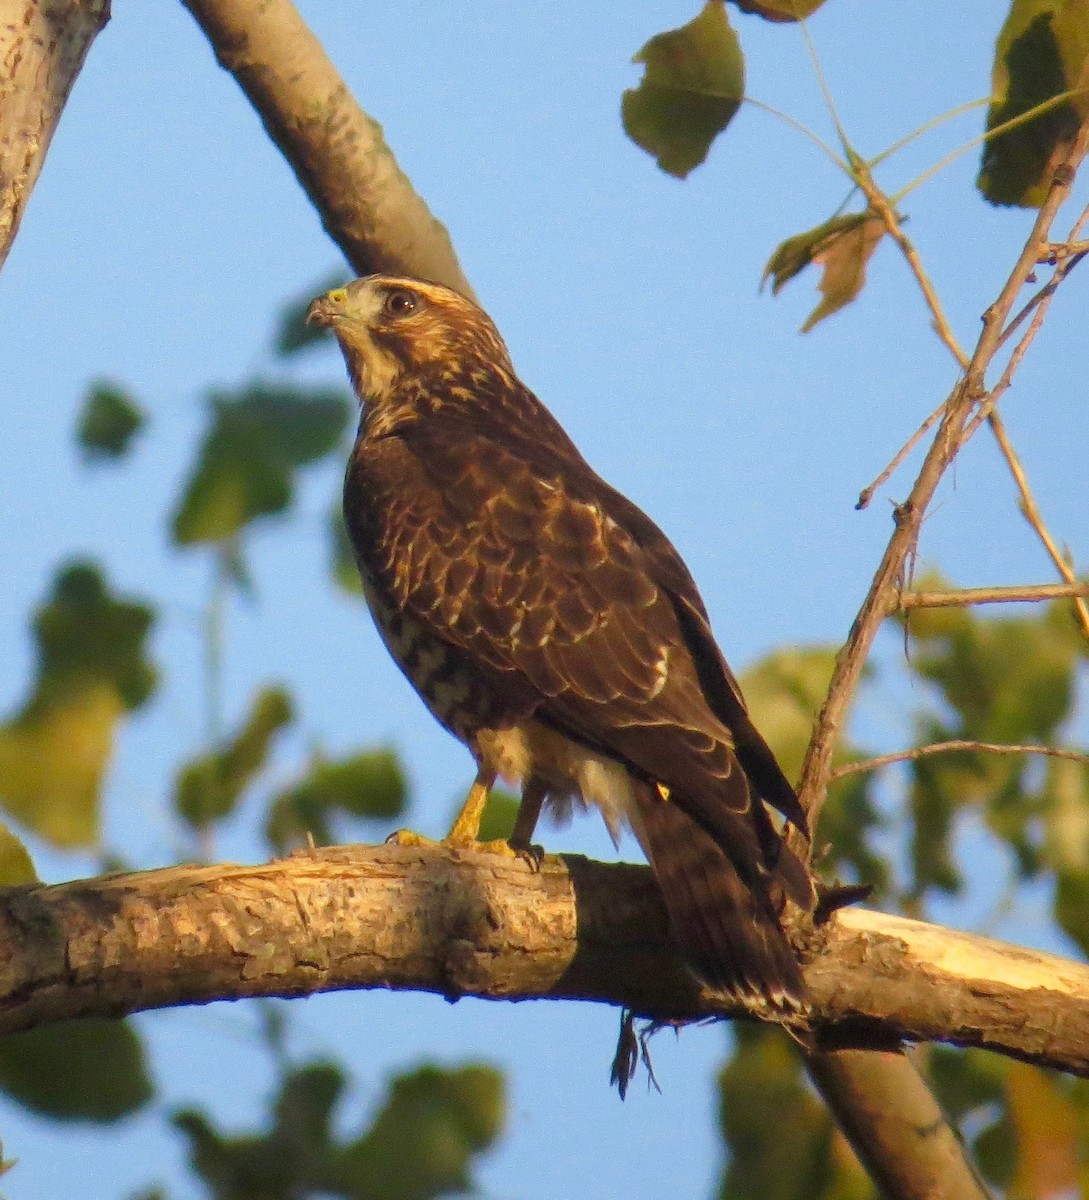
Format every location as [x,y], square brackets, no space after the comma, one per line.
[42,48]
[338,153]
[475,924]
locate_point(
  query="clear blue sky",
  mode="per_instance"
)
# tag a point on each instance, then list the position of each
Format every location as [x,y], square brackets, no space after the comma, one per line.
[163,236]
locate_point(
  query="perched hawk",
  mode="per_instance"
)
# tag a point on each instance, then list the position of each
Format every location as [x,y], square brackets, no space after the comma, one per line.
[550,625]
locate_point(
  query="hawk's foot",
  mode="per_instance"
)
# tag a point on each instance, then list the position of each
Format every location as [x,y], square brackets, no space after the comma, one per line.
[409,837]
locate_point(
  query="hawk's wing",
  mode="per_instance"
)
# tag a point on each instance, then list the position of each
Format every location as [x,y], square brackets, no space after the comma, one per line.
[519,556]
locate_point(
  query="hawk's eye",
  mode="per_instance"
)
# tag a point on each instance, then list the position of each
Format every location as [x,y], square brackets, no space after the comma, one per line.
[400,303]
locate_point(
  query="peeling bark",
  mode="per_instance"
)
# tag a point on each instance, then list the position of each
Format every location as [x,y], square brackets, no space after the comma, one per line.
[472,924]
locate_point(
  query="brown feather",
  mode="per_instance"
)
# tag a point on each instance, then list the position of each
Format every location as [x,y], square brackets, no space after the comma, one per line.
[555,628]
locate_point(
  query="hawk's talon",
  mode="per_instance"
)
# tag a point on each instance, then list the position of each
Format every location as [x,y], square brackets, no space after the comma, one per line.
[530,853]
[409,837]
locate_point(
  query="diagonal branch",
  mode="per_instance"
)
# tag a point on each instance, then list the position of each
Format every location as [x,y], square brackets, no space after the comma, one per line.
[366,202]
[42,48]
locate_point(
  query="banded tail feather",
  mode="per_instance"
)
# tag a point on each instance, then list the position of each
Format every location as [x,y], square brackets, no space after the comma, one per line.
[728,928]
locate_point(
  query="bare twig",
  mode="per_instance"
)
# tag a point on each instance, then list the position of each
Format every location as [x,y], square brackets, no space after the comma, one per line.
[880,204]
[1031,513]
[961,597]
[943,449]
[866,495]
[866,765]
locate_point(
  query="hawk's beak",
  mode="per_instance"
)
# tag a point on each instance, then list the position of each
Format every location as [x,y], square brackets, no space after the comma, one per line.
[325,309]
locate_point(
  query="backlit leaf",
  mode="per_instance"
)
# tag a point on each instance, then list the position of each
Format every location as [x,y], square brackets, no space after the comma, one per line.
[420,1145]
[87,1070]
[692,86]
[370,785]
[247,462]
[210,787]
[784,692]
[16,865]
[91,669]
[345,572]
[1041,52]
[781,1140]
[842,247]
[1046,1129]
[108,422]
[780,10]
[293,333]
[423,1140]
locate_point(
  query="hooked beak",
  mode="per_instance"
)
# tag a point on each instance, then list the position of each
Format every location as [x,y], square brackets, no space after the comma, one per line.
[326,309]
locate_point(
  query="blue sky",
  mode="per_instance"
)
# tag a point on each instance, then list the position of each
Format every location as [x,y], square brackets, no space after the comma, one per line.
[166,231]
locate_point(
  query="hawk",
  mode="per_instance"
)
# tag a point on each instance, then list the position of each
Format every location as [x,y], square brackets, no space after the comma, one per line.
[551,626]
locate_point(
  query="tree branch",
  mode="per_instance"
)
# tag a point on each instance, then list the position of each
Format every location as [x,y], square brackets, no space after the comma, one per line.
[961,597]
[952,747]
[42,48]
[366,202]
[461,923]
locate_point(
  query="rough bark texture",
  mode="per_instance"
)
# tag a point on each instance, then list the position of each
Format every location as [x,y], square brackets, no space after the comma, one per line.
[42,47]
[367,204]
[474,924]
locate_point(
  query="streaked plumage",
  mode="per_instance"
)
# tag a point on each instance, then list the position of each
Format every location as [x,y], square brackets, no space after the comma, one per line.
[552,627]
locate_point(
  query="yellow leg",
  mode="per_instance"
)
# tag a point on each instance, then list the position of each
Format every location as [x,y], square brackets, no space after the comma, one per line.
[465,829]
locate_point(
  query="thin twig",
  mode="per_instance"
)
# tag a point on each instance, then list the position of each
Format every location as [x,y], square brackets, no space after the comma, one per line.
[962,597]
[1042,302]
[880,204]
[943,449]
[866,495]
[874,764]
[1032,514]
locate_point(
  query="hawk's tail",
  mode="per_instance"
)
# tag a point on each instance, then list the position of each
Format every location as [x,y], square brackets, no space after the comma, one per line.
[729,932]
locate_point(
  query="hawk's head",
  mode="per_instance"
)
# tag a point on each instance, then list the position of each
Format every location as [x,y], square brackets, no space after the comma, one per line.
[395,329]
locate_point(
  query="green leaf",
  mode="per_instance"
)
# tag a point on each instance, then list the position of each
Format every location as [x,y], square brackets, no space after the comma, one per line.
[971,1087]
[781,1141]
[1066,844]
[295,1158]
[499,815]
[109,421]
[422,1142]
[87,1070]
[842,247]
[16,866]
[92,667]
[784,692]
[1041,52]
[693,85]
[293,333]
[420,1145]
[1045,1124]
[370,785]
[345,572]
[247,461]
[209,787]
[780,10]
[1008,680]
